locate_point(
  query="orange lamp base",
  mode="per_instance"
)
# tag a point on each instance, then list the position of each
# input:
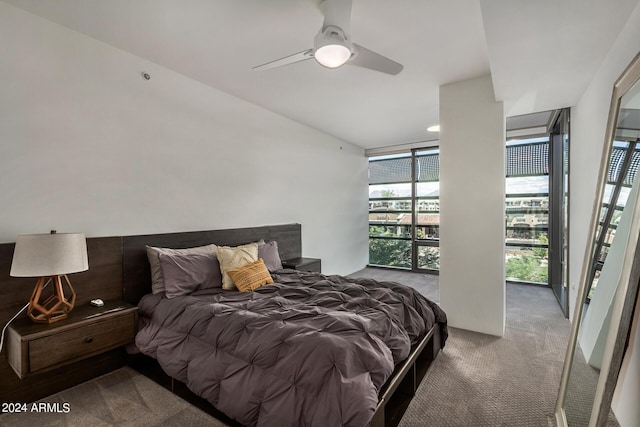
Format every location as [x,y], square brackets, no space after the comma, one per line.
[52,305]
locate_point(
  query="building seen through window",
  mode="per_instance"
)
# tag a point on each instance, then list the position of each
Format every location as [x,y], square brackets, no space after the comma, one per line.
[527,210]
[404,210]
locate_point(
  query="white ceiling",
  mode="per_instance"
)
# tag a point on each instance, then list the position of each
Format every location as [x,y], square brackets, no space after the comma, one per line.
[541,53]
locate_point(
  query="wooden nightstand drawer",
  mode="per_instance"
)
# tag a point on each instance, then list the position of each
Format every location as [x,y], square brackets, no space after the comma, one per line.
[80,342]
[33,348]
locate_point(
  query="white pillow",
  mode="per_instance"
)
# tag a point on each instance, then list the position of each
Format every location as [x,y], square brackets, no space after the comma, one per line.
[233,258]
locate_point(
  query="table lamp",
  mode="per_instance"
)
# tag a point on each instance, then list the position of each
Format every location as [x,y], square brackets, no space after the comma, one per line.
[50,257]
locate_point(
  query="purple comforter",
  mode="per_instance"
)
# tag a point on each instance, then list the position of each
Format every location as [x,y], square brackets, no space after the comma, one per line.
[309,350]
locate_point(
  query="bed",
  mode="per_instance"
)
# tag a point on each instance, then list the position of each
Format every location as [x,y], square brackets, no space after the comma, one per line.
[307,349]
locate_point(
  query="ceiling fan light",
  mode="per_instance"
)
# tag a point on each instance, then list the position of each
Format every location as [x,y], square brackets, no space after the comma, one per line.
[332,47]
[332,55]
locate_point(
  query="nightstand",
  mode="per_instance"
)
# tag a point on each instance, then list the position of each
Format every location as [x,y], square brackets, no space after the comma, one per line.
[303,264]
[36,347]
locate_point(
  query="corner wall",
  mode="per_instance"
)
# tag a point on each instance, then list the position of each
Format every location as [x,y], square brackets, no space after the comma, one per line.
[472,191]
[86,144]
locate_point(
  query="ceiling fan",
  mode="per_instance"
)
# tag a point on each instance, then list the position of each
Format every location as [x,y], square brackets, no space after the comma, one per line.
[332,46]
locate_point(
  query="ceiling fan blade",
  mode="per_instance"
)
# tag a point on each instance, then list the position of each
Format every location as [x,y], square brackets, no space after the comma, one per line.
[337,13]
[296,57]
[366,58]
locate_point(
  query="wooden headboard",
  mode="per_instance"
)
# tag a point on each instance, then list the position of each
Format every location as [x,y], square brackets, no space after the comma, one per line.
[136,273]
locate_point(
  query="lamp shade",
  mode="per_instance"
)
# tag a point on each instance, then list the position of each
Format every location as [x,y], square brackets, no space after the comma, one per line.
[40,255]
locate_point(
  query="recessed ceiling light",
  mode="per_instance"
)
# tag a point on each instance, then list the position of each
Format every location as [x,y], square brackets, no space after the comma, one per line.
[434,128]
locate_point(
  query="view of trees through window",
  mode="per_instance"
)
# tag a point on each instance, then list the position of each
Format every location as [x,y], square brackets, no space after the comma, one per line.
[404,210]
[527,210]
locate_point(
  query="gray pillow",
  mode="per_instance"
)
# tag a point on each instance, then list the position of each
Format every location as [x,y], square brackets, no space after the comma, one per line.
[157,280]
[270,255]
[185,273]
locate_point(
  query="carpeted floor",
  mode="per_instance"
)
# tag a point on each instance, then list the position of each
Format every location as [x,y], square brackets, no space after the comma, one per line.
[482,380]
[478,380]
[120,398]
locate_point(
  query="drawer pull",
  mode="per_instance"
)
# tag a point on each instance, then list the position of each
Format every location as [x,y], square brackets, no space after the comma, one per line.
[88,340]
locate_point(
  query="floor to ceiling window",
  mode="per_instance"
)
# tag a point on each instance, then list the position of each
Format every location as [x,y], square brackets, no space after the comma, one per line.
[404,210]
[390,195]
[404,204]
[527,210]
[427,210]
[536,205]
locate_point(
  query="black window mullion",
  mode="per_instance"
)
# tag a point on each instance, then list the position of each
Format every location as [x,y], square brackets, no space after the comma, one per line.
[415,173]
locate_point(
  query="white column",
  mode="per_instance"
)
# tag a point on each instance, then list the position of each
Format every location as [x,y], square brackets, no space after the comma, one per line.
[472,192]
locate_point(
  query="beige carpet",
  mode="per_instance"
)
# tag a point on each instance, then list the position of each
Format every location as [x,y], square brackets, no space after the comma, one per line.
[120,398]
[482,380]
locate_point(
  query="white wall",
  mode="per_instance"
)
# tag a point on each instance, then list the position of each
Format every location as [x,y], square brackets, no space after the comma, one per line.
[589,121]
[472,188]
[86,144]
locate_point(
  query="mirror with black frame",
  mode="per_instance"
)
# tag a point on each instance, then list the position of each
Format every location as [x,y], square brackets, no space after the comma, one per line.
[611,270]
